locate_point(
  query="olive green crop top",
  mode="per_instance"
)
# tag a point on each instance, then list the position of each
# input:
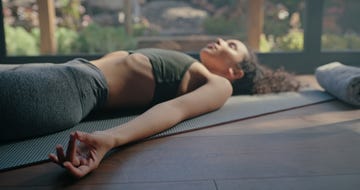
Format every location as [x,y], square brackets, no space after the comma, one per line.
[169,67]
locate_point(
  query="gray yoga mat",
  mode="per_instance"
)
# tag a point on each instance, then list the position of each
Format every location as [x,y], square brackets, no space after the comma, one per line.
[17,154]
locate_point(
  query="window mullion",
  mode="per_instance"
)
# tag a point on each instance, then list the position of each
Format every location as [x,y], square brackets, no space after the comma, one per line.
[313,28]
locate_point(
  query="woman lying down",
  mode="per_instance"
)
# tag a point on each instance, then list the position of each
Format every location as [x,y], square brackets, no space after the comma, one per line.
[39,99]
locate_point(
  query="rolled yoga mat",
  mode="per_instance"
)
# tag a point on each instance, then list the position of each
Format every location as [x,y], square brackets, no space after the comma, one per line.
[17,154]
[342,81]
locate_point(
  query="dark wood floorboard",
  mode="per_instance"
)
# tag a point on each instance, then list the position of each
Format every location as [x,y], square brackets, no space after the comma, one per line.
[314,147]
[191,185]
[343,182]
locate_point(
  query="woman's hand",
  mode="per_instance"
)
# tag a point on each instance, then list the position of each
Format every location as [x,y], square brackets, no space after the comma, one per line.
[84,152]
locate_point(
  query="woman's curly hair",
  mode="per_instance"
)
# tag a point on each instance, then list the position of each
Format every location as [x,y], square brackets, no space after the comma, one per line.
[259,79]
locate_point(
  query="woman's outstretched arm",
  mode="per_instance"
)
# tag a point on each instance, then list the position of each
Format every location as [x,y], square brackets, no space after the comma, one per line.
[208,97]
[82,159]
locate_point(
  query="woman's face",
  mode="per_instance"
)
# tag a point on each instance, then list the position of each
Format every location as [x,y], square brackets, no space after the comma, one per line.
[221,57]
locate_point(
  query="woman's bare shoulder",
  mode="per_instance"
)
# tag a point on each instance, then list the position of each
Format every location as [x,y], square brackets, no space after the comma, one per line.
[202,71]
[199,69]
[198,75]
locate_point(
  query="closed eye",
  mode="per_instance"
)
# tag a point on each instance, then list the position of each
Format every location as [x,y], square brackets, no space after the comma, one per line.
[232,45]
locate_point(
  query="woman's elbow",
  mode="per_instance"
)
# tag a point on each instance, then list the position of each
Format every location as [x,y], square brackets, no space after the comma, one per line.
[223,91]
[226,90]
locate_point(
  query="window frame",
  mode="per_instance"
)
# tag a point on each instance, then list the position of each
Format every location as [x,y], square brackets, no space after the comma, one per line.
[303,62]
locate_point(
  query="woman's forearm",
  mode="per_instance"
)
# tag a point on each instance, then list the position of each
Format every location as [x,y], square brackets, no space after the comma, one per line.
[167,114]
[153,121]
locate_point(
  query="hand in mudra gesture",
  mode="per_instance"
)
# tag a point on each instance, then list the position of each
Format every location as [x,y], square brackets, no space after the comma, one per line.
[84,153]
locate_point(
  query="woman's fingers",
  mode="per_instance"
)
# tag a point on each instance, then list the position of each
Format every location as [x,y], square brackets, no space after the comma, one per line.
[83,161]
[85,138]
[53,158]
[79,158]
[71,152]
[77,171]
[60,154]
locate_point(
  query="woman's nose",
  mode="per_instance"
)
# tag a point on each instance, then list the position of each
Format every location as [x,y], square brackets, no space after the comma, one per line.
[219,41]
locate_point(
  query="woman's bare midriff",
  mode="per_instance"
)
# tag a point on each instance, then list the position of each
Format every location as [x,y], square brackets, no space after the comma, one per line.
[130,79]
[131,82]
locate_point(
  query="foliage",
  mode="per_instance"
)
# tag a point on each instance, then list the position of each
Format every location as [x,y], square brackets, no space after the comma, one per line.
[275,26]
[265,45]
[65,40]
[332,42]
[293,41]
[20,42]
[349,19]
[291,5]
[69,13]
[353,41]
[220,26]
[93,39]
[139,29]
[336,42]
[97,39]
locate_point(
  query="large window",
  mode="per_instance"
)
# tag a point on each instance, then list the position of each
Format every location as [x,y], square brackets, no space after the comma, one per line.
[97,27]
[341,26]
[298,35]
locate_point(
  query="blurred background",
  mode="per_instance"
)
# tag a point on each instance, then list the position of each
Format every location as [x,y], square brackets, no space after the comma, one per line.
[66,27]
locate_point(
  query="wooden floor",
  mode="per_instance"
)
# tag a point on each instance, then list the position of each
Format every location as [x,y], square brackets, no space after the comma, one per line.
[313,147]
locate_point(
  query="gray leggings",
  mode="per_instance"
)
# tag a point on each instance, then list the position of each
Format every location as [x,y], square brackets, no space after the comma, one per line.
[39,99]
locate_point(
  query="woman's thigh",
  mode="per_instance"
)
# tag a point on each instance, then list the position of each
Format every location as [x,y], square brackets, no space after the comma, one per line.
[36,99]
